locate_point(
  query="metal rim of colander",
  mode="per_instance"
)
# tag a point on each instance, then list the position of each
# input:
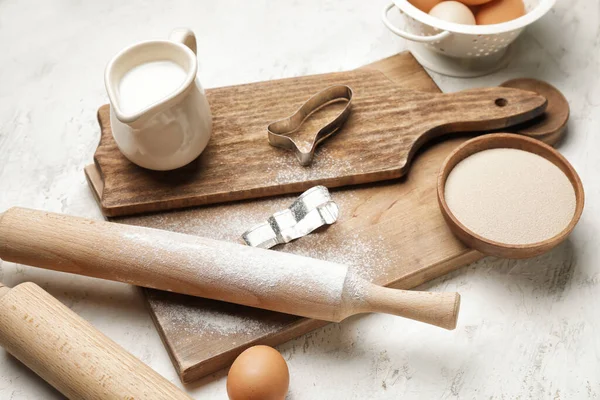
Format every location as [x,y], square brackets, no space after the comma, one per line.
[539,11]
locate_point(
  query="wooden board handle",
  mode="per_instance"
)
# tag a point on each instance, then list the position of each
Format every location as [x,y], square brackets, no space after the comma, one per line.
[484,109]
[474,110]
[70,354]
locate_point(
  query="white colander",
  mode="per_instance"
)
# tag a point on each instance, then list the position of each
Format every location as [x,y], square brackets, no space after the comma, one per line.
[461,50]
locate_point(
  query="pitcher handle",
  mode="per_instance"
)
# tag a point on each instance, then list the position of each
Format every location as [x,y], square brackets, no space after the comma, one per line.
[185,36]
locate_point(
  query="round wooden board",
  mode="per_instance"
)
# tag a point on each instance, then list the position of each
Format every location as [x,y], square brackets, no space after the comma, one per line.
[551,125]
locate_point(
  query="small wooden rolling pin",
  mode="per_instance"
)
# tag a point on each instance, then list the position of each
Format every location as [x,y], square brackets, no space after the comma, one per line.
[208,268]
[70,354]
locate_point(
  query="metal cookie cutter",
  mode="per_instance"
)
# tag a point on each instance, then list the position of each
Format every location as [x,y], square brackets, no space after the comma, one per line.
[279,131]
[313,209]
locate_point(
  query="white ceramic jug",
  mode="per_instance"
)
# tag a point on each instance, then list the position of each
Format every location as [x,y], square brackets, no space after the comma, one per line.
[170,132]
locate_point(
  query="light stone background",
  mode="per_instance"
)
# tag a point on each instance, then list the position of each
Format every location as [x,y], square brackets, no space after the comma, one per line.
[528,329]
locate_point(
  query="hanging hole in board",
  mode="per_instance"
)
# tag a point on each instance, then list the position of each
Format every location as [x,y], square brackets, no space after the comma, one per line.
[501,102]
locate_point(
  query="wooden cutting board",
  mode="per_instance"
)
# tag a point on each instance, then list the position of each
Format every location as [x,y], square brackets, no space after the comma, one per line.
[392,232]
[386,126]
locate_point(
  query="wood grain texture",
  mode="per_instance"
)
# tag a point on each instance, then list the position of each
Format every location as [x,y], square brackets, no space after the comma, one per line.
[3,290]
[511,141]
[395,225]
[386,127]
[214,269]
[70,354]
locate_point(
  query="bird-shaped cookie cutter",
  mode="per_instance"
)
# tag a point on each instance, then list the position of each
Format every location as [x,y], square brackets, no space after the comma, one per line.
[279,131]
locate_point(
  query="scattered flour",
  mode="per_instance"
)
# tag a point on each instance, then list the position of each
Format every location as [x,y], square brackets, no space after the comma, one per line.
[202,319]
[369,255]
[368,258]
[286,169]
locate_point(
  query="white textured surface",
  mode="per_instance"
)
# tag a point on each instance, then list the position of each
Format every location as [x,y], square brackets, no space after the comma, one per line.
[527,329]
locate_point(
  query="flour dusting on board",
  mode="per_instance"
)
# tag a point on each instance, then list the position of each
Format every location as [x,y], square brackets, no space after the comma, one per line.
[367,257]
[212,222]
[323,166]
[370,256]
[186,318]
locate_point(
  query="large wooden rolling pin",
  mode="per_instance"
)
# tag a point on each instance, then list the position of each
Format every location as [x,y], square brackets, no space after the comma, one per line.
[209,268]
[70,354]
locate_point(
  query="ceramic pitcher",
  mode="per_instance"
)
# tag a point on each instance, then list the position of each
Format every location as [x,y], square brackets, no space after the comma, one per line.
[171,132]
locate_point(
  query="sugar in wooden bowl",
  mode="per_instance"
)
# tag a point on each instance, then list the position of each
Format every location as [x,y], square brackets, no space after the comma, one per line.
[509,196]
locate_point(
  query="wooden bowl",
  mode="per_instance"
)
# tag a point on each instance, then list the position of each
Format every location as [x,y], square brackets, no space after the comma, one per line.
[507,140]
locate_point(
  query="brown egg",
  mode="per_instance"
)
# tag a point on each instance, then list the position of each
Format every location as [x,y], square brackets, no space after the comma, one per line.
[474,9]
[424,5]
[259,373]
[474,2]
[498,11]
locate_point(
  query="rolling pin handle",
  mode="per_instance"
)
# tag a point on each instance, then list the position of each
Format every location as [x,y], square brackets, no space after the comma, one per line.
[434,308]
